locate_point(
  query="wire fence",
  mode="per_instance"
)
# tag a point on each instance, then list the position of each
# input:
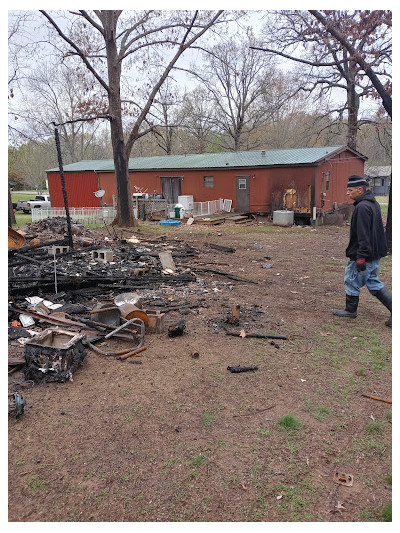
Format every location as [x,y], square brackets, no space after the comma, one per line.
[86,215]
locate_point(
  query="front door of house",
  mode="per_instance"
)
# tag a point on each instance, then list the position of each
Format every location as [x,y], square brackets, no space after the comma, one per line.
[171,188]
[242,194]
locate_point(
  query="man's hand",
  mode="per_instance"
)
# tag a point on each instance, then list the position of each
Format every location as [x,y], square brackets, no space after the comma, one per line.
[360,264]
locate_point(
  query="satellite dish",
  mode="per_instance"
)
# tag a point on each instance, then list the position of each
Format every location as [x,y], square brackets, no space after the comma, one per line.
[99,194]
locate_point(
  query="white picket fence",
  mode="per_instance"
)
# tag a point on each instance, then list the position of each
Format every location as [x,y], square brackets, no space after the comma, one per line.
[93,215]
[209,208]
[87,215]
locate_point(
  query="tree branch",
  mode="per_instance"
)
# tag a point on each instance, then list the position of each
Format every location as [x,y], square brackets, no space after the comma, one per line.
[77,49]
[386,98]
[298,60]
[182,47]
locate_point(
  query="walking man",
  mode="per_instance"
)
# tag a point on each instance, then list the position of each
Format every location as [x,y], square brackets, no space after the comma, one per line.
[366,247]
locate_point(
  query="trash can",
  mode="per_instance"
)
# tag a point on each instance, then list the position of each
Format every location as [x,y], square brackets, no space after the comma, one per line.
[177,209]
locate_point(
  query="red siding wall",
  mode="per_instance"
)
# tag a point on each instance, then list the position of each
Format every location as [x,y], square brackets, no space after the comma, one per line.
[339,168]
[267,186]
[80,187]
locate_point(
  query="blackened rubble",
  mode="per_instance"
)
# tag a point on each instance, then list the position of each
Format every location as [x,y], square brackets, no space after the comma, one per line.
[107,264]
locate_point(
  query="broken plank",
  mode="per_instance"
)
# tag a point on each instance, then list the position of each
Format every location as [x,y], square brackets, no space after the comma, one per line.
[166,261]
[244,221]
[214,222]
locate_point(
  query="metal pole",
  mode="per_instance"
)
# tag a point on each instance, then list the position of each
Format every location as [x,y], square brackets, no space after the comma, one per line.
[64,190]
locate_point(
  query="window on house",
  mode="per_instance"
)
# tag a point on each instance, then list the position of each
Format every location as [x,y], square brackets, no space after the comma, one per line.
[328,177]
[208,181]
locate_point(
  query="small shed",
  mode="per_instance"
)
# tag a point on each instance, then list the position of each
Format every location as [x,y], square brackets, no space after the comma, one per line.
[258,181]
[378,179]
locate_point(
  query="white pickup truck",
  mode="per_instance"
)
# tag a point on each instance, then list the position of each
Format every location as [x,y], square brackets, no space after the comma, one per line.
[40,201]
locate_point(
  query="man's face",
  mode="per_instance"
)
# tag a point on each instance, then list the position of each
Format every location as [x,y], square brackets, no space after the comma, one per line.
[354,192]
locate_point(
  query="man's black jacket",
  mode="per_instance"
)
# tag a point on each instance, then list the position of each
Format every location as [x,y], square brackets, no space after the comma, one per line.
[367,235]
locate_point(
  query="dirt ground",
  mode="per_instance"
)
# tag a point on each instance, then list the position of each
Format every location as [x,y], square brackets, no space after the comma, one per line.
[178,438]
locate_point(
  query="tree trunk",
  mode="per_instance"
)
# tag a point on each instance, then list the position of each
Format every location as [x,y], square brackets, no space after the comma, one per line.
[125,216]
[11,214]
[352,111]
[389,220]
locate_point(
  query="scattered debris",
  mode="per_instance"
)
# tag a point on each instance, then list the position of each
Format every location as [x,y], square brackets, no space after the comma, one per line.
[221,248]
[376,398]
[177,329]
[343,479]
[15,239]
[255,335]
[133,353]
[54,355]
[16,404]
[237,369]
[235,316]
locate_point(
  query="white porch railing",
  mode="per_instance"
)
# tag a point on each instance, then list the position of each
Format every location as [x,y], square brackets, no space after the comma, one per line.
[88,215]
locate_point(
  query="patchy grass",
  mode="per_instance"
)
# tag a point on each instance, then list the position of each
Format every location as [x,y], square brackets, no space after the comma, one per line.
[199,460]
[387,512]
[207,419]
[35,483]
[289,422]
[374,427]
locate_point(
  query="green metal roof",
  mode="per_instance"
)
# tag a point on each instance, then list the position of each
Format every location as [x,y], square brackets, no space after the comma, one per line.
[254,158]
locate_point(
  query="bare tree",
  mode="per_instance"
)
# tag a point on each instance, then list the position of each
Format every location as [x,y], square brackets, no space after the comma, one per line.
[108,40]
[241,85]
[67,96]
[32,160]
[166,118]
[197,121]
[327,66]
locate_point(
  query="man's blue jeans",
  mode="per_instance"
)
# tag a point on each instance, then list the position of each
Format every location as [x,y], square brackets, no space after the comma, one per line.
[354,280]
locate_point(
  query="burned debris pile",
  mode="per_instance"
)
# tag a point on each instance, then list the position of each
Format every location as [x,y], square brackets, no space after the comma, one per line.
[111,264]
[63,300]
[104,292]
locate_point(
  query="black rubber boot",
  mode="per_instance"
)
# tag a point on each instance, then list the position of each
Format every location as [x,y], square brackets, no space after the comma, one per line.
[385,297]
[351,307]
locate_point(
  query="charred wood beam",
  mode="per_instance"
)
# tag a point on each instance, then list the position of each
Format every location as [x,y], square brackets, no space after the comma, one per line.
[44,256]
[227,274]
[220,248]
[45,285]
[110,279]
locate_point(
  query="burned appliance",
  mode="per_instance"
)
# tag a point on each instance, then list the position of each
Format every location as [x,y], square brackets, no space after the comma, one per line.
[54,355]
